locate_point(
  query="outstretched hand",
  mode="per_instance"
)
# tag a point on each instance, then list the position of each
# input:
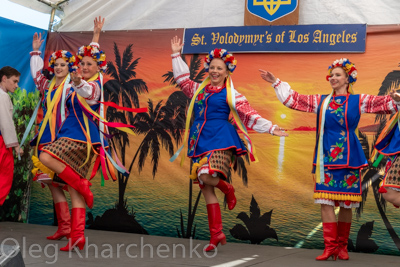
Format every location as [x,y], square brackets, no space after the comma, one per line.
[76,77]
[176,45]
[280,132]
[37,41]
[395,95]
[267,76]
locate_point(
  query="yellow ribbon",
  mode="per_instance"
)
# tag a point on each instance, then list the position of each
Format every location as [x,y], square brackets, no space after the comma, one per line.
[232,108]
[50,106]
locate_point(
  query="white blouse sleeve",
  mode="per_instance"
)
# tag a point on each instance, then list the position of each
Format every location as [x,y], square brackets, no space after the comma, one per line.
[182,76]
[37,65]
[294,100]
[250,117]
[88,90]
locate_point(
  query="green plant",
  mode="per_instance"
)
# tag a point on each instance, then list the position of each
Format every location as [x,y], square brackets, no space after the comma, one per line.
[15,208]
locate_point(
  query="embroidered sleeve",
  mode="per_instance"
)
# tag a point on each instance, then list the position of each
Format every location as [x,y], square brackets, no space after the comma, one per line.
[377,104]
[7,127]
[294,100]
[250,117]
[182,76]
[88,90]
[36,71]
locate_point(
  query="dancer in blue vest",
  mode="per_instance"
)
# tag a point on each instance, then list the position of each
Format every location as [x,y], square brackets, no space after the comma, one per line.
[388,144]
[338,156]
[61,63]
[213,143]
[77,140]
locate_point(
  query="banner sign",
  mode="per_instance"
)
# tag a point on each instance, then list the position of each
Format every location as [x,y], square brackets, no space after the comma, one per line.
[349,38]
[271,10]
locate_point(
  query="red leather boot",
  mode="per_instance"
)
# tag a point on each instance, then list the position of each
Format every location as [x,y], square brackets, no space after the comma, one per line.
[229,192]
[79,184]
[343,239]
[331,245]
[64,221]
[77,238]
[215,225]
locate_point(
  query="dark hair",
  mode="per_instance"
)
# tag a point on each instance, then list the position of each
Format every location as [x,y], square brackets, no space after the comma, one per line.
[8,72]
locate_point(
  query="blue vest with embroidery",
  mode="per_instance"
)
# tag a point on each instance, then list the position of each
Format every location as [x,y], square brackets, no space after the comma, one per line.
[211,129]
[342,149]
[390,144]
[71,128]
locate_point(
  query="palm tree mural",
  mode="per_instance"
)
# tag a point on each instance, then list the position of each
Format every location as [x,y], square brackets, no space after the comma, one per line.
[179,107]
[123,88]
[371,174]
[256,226]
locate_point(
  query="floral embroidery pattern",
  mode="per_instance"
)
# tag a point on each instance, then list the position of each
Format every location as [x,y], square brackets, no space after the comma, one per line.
[335,153]
[350,180]
[329,181]
[200,100]
[193,138]
[337,108]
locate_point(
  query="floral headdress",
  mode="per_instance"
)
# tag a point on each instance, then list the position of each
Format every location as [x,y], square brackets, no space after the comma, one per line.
[67,56]
[228,59]
[92,51]
[347,66]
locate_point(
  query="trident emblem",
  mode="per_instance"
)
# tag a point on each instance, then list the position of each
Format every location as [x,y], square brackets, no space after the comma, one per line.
[271,6]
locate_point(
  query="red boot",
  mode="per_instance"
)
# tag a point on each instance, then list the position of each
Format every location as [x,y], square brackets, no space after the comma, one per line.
[64,221]
[229,192]
[215,225]
[79,184]
[343,239]
[77,238]
[331,245]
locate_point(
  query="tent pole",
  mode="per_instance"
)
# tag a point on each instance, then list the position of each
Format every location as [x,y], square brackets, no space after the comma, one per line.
[53,13]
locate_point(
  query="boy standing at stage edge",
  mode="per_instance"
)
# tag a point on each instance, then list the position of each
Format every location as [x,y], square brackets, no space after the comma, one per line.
[9,78]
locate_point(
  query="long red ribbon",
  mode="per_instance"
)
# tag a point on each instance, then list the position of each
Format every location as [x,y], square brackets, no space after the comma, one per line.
[112,104]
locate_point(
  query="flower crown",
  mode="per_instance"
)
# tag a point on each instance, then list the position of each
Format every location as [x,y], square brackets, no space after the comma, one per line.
[228,58]
[67,56]
[347,66]
[93,51]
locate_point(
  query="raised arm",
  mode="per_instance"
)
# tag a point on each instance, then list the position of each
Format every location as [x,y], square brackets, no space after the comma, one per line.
[289,97]
[181,70]
[379,104]
[98,25]
[251,119]
[88,90]
[36,64]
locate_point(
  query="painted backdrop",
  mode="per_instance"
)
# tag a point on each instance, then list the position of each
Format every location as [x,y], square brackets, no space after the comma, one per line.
[275,205]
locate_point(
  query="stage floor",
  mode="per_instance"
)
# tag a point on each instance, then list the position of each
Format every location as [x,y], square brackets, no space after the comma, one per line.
[122,249]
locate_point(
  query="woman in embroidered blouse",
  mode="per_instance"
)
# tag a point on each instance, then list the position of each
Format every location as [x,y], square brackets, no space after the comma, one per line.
[338,153]
[214,143]
[69,154]
[61,63]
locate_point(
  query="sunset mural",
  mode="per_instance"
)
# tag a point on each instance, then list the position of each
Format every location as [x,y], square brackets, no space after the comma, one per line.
[281,181]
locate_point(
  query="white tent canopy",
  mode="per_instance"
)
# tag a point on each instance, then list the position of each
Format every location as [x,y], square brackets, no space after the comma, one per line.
[164,14]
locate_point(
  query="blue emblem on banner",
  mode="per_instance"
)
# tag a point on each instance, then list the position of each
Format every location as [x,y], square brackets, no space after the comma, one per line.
[271,9]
